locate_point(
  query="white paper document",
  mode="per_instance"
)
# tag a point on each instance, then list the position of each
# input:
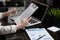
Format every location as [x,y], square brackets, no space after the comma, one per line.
[27,13]
[38,34]
[53,28]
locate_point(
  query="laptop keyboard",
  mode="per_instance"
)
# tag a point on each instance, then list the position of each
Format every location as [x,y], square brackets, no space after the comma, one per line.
[32,21]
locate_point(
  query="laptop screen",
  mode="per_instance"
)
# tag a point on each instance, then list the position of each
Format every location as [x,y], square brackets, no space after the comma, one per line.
[41,11]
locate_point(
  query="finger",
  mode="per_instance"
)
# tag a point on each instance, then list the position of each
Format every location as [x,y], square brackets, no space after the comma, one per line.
[29,19]
[24,19]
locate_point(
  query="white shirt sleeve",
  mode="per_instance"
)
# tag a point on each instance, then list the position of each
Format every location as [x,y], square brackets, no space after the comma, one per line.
[2,0]
[7,29]
[0,15]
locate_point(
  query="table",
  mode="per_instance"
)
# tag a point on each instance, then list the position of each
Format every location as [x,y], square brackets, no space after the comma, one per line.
[22,35]
[19,35]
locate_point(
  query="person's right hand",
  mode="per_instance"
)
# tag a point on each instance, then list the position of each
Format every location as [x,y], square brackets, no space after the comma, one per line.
[12,11]
[24,22]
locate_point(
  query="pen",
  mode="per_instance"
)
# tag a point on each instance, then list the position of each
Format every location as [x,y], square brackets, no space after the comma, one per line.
[40,37]
[11,19]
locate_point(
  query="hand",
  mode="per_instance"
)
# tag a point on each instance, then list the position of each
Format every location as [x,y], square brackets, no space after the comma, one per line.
[23,23]
[11,12]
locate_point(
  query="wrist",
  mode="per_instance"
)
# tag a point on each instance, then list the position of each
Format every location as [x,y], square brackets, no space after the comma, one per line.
[19,26]
[8,13]
[4,14]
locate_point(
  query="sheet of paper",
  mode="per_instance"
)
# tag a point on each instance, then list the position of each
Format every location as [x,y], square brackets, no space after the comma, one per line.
[27,13]
[53,28]
[35,33]
[19,10]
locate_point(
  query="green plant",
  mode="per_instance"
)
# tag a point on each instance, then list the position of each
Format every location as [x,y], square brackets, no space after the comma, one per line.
[55,12]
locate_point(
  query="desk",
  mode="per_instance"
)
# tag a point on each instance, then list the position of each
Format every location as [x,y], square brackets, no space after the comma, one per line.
[55,35]
[22,35]
[19,35]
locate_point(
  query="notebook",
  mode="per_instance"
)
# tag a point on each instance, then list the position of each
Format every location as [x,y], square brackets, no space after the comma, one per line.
[38,34]
[36,10]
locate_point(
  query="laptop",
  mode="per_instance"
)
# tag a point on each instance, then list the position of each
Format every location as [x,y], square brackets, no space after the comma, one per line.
[36,10]
[39,14]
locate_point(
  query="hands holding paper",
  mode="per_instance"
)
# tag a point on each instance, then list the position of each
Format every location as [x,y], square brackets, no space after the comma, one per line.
[23,23]
[19,22]
[19,25]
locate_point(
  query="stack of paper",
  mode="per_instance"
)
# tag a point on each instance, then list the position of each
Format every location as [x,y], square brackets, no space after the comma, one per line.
[38,34]
[53,29]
